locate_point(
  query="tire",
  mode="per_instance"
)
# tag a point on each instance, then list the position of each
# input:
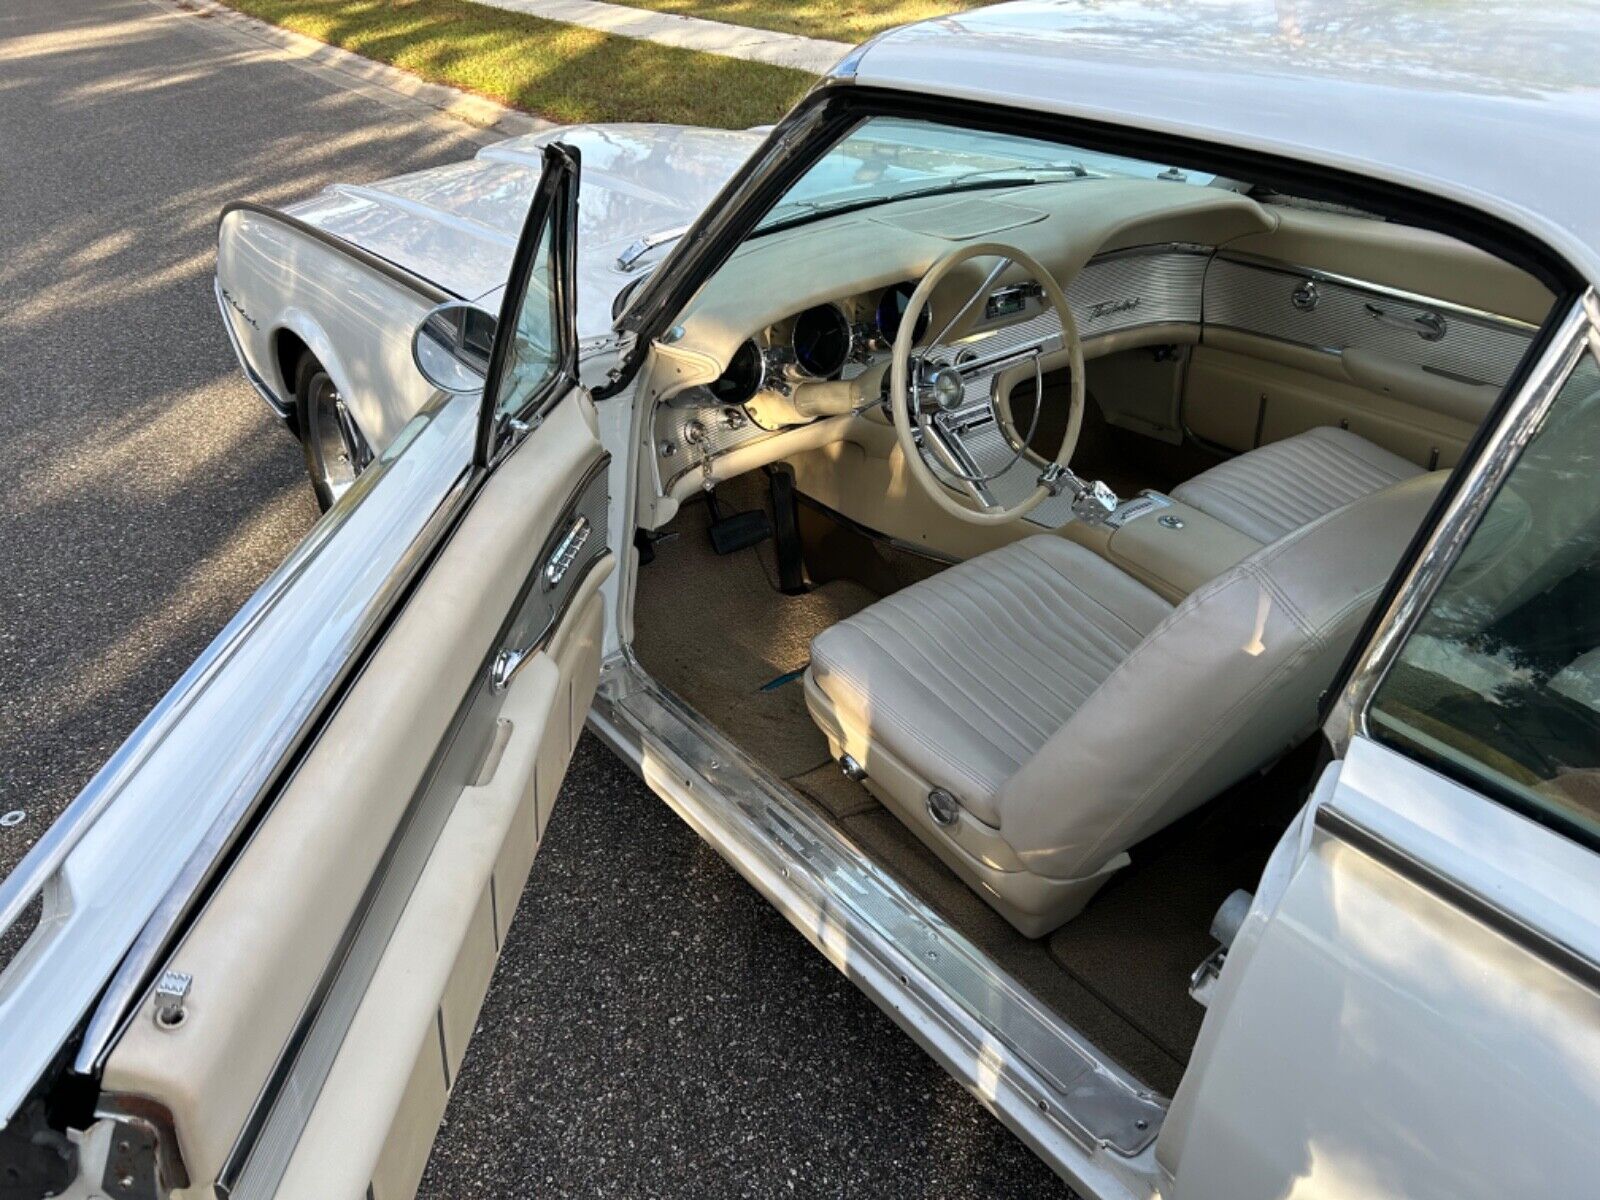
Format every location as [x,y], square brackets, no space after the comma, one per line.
[328,435]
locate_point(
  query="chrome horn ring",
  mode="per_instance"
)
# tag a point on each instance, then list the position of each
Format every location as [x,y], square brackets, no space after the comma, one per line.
[929,430]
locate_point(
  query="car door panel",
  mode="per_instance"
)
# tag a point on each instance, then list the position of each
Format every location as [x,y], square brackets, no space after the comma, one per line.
[372,773]
[1412,1004]
[338,965]
[1375,1035]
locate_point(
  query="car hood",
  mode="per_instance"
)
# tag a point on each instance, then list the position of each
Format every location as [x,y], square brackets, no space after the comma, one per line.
[458,225]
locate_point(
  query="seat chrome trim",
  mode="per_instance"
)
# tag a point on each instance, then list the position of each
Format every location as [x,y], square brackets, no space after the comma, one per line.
[1082,1114]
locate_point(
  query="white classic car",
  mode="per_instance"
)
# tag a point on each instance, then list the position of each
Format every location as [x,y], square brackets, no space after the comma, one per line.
[1096,519]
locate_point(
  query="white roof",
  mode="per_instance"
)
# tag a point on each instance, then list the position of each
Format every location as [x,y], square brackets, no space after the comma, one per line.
[1493,103]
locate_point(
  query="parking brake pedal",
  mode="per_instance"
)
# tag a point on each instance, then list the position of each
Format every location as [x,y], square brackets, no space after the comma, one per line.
[736,531]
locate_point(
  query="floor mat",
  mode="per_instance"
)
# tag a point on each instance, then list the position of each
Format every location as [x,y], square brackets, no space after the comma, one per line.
[1139,939]
[713,629]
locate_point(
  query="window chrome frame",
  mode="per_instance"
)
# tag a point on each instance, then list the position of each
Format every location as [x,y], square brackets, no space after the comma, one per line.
[1474,488]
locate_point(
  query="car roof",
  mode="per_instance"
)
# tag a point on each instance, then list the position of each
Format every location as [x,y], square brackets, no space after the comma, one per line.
[1491,103]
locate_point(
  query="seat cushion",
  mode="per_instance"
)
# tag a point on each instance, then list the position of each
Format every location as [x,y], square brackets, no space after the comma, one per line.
[1278,488]
[964,676]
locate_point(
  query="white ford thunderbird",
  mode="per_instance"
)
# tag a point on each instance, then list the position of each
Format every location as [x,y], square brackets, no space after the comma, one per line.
[1095,516]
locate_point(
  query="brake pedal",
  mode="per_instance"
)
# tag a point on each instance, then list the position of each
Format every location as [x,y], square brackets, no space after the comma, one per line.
[736,531]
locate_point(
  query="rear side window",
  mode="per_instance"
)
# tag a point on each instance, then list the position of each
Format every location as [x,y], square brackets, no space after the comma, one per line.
[1500,683]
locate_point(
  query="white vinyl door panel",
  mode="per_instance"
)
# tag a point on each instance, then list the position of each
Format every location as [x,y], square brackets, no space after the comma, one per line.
[424,764]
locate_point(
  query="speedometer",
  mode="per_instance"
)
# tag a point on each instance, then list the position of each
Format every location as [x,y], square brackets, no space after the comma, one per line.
[821,341]
[891,312]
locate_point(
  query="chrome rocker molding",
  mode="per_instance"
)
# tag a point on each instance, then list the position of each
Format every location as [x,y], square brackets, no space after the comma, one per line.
[1081,1113]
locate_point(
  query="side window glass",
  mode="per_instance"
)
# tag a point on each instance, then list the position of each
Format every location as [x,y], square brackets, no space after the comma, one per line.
[1500,682]
[534,353]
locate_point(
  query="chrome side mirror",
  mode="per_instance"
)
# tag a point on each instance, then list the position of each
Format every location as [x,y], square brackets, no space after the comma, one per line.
[451,347]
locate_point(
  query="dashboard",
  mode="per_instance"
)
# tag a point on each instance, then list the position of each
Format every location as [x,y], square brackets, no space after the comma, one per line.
[833,340]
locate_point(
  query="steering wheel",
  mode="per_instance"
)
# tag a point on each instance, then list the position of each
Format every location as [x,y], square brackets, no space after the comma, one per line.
[928,396]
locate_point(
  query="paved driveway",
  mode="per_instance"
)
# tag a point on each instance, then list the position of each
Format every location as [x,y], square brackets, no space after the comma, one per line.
[654,1027]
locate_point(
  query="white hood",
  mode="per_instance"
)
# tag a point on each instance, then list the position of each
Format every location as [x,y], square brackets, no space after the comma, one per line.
[458,225]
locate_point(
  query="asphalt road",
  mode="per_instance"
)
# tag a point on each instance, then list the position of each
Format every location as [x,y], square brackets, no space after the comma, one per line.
[654,1027]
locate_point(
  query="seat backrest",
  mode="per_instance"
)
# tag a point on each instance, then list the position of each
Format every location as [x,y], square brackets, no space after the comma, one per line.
[1228,681]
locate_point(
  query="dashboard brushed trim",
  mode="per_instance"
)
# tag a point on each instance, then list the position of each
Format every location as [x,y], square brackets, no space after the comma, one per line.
[1266,300]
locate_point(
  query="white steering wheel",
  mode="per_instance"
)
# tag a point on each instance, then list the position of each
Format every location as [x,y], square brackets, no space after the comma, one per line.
[928,395]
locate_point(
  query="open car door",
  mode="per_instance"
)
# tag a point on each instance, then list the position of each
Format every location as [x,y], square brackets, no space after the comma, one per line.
[330,984]
[1412,1006]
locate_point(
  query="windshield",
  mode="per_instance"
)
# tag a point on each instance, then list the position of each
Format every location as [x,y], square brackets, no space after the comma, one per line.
[888,159]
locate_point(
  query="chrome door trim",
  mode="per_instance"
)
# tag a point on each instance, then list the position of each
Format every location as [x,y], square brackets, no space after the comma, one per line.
[1279,266]
[149,827]
[272,1129]
[1470,496]
[135,972]
[1475,903]
[430,291]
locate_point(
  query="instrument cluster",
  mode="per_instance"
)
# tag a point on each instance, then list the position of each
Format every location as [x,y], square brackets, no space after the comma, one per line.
[819,343]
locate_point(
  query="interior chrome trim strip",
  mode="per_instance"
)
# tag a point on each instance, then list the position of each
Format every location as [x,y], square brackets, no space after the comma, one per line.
[426,288]
[278,407]
[176,789]
[1377,289]
[266,1143]
[1474,903]
[924,972]
[1468,500]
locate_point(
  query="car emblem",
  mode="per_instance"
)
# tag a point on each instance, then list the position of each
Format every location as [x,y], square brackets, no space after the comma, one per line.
[1107,307]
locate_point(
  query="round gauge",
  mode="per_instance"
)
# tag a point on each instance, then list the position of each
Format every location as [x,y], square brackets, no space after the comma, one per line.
[746,373]
[892,307]
[821,341]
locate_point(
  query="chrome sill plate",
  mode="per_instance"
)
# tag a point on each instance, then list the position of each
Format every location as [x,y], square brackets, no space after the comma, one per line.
[1087,1119]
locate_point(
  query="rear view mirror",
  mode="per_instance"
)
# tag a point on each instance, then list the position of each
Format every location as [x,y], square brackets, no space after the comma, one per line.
[451,347]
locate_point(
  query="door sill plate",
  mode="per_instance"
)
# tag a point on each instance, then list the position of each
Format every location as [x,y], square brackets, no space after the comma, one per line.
[1092,1122]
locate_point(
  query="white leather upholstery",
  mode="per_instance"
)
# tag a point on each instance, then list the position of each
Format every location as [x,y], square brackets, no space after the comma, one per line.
[1072,712]
[1274,490]
[969,673]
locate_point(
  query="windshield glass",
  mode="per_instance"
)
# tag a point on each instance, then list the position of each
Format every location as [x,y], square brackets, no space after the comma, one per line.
[888,158]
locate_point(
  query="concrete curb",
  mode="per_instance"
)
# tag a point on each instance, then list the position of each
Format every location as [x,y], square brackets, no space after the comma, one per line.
[494,121]
[687,33]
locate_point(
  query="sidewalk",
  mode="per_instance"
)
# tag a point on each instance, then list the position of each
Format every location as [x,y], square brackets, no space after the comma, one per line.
[687,33]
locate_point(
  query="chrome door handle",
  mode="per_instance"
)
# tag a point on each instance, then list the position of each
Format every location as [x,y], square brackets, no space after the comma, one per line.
[565,553]
[551,572]
[1429,326]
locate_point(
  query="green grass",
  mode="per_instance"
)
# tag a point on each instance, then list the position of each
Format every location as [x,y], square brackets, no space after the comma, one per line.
[565,73]
[836,20]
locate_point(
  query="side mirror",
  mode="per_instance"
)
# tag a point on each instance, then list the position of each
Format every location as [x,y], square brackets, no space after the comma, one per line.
[451,347]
